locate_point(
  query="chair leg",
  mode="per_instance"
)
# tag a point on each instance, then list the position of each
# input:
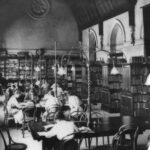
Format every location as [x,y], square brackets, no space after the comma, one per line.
[23,130]
[86,145]
[96,141]
[103,140]
[108,140]
[89,143]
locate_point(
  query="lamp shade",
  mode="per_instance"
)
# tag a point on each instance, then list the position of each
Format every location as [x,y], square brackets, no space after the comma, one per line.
[37,83]
[147,82]
[53,67]
[114,71]
[37,69]
[73,68]
[61,71]
[27,68]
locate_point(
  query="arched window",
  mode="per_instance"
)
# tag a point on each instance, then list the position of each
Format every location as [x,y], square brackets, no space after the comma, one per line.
[117,38]
[92,45]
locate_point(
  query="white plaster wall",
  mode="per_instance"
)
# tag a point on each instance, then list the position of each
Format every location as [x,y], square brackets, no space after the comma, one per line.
[128,48]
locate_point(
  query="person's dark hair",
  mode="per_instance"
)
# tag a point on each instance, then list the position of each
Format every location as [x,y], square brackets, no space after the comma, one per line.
[52,93]
[64,108]
[60,115]
[14,86]
[1,90]
[72,92]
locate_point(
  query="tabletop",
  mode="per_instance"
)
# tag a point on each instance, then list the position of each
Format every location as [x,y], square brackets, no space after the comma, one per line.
[106,126]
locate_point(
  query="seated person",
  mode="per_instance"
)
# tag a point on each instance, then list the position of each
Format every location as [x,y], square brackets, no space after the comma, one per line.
[2,95]
[62,130]
[14,109]
[74,104]
[51,104]
[59,89]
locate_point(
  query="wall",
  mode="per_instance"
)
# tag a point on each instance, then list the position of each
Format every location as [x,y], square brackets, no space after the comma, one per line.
[18,30]
[128,48]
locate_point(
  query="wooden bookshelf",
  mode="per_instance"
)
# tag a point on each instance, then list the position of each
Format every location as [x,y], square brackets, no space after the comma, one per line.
[96,80]
[141,93]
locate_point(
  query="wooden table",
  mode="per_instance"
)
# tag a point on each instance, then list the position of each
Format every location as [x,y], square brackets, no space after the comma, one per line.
[106,126]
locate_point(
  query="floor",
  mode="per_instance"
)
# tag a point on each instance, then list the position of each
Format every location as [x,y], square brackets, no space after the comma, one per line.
[37,145]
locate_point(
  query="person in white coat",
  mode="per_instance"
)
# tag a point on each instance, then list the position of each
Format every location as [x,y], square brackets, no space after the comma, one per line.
[14,109]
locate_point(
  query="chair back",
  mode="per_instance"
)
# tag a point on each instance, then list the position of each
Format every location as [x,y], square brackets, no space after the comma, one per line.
[2,135]
[29,111]
[52,113]
[7,136]
[120,137]
[11,145]
[68,144]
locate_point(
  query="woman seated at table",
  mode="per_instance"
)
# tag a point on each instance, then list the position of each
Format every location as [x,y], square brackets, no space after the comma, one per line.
[62,130]
[2,95]
[74,104]
[51,105]
[14,109]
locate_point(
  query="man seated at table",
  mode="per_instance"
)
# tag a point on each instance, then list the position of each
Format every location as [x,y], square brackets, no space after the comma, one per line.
[62,130]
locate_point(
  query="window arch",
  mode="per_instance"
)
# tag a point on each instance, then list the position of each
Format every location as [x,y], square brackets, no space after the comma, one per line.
[92,45]
[117,37]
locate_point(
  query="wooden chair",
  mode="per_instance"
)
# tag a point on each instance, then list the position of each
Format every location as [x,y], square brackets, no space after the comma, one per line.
[51,116]
[69,144]
[78,116]
[126,138]
[28,116]
[11,145]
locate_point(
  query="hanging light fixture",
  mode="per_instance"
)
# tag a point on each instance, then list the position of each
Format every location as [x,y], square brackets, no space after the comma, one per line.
[26,68]
[73,68]
[61,71]
[42,67]
[20,67]
[21,77]
[53,67]
[37,68]
[147,82]
[114,70]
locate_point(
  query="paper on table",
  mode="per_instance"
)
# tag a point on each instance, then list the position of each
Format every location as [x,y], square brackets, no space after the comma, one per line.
[41,133]
[46,127]
[85,129]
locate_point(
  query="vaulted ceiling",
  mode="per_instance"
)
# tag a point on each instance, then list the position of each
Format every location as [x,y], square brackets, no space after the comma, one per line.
[91,12]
